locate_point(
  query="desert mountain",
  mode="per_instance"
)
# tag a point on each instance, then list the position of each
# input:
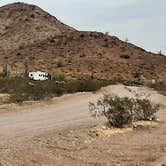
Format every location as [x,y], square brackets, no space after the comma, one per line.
[29,34]
[22,24]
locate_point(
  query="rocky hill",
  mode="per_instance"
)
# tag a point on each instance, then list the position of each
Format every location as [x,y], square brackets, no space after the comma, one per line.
[30,35]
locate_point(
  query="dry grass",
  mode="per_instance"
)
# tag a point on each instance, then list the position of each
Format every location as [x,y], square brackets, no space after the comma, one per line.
[108,132]
[145,123]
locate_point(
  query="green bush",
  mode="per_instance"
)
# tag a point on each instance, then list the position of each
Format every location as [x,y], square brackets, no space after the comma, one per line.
[123,111]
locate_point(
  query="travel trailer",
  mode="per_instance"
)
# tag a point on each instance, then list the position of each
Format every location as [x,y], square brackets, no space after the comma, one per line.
[38,76]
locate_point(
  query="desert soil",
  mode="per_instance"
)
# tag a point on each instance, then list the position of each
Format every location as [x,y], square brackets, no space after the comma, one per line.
[56,133]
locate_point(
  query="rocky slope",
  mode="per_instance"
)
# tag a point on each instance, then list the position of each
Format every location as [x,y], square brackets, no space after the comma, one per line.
[29,34]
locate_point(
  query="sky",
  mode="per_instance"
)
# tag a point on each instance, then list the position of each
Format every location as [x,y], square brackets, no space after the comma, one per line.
[142,22]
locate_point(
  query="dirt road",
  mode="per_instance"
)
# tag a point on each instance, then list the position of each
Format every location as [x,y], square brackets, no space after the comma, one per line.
[31,121]
[55,133]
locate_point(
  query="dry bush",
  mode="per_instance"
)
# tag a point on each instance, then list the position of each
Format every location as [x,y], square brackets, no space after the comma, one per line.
[123,111]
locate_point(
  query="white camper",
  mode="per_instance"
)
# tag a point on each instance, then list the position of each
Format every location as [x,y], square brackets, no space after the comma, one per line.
[38,76]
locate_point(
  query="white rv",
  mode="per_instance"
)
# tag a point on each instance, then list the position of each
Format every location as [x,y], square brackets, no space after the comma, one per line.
[38,76]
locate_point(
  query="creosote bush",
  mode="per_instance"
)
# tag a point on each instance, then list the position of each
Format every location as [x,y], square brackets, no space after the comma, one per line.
[123,111]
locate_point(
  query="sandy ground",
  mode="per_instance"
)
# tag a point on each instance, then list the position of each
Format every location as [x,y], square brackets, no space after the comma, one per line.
[56,132]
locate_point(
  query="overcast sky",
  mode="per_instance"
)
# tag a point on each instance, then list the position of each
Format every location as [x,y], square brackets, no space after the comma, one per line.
[143,22]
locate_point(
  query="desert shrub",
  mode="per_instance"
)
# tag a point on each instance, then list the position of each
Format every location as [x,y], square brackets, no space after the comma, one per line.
[82,35]
[30,91]
[123,111]
[145,110]
[117,79]
[4,72]
[70,59]
[21,89]
[125,56]
[159,86]
[134,82]
[32,15]
[82,55]
[59,77]
[11,85]
[85,85]
[120,111]
[137,80]
[18,98]
[60,64]
[18,54]
[21,47]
